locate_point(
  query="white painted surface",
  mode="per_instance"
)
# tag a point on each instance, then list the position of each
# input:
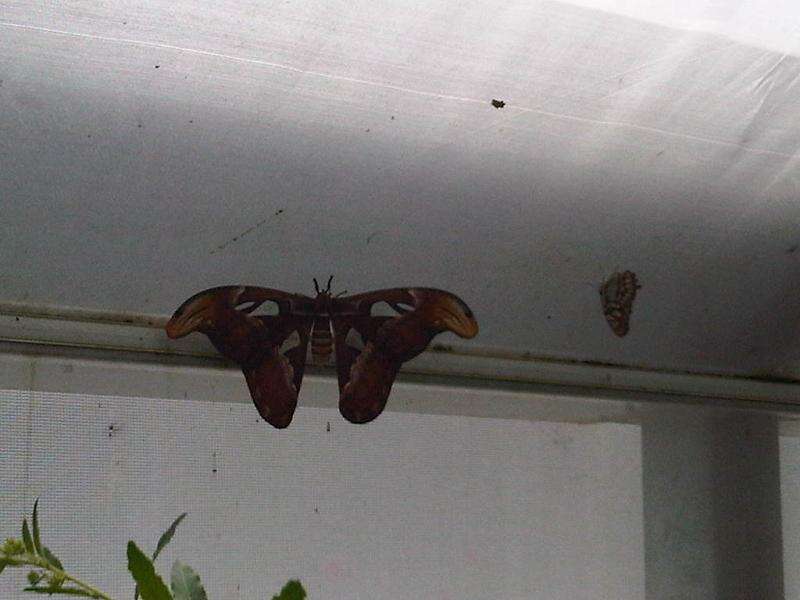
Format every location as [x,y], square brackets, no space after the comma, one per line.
[769,24]
[652,140]
[424,506]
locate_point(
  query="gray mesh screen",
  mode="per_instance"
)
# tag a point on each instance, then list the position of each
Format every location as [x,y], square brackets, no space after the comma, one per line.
[410,506]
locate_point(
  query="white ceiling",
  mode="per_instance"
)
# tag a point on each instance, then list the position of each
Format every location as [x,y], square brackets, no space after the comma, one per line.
[150,150]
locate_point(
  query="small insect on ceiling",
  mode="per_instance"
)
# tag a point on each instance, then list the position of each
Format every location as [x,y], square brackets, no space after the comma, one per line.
[617,295]
[369,349]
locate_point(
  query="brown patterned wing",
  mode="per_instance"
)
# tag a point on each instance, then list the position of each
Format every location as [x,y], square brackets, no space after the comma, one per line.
[370,349]
[617,295]
[270,349]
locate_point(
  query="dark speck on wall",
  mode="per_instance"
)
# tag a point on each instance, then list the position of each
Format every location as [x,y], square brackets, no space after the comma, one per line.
[498,103]
[792,249]
[157,66]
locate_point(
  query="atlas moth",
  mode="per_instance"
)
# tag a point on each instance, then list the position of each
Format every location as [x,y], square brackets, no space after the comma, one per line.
[369,349]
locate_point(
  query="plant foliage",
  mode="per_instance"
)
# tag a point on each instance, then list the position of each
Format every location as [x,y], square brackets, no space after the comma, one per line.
[47,574]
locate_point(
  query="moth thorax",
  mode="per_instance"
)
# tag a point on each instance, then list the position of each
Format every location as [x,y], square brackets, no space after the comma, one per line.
[321,341]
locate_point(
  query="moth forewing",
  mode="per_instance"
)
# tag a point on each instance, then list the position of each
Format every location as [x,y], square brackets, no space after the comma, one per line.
[610,289]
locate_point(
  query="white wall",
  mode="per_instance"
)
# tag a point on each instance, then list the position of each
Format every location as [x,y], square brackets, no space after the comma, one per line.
[428,506]
[358,138]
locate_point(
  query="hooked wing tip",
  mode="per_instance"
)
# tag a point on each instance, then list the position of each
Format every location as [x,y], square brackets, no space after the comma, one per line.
[191,314]
[465,328]
[174,329]
[449,312]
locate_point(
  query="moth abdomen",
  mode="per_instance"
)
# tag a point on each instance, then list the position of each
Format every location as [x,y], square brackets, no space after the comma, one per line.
[321,341]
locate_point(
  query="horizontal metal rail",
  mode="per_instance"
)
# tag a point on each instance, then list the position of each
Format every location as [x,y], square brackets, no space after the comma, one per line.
[25,327]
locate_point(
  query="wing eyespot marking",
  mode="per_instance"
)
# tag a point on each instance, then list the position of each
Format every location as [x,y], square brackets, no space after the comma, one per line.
[390,309]
[266,308]
[354,340]
[382,309]
[292,341]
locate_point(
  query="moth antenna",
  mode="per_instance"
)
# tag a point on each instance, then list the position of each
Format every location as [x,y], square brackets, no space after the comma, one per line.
[316,285]
[328,287]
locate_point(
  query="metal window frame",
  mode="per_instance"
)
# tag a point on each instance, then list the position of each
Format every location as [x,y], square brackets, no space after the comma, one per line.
[44,348]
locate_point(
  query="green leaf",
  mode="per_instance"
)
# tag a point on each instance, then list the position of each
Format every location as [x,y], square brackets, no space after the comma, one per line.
[51,558]
[66,591]
[186,584]
[37,542]
[26,537]
[151,586]
[3,564]
[291,591]
[166,537]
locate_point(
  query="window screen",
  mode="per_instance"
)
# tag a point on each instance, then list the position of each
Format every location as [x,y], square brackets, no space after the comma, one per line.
[410,506]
